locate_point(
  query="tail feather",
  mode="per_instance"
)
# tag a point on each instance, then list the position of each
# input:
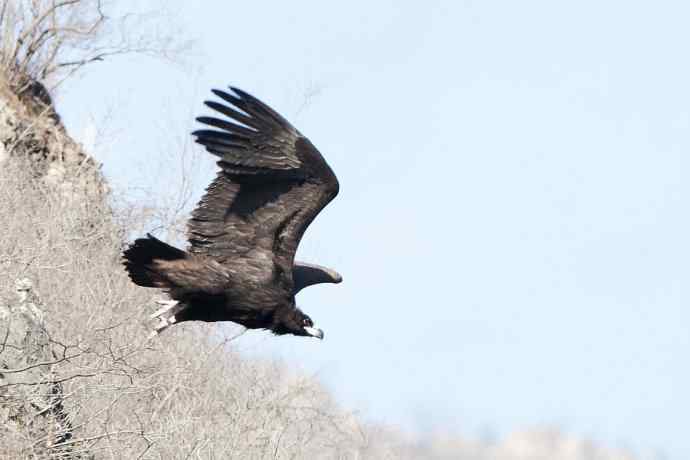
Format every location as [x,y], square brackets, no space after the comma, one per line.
[140,258]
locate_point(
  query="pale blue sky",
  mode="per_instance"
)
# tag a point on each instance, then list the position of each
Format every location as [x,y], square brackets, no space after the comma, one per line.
[512,225]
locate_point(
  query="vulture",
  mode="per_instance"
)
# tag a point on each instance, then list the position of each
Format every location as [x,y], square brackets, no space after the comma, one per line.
[240,263]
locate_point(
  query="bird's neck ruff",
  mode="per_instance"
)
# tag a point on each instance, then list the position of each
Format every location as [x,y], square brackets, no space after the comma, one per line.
[284,320]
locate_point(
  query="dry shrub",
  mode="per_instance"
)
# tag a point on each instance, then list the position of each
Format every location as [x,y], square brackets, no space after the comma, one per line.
[184,394]
[50,40]
[91,385]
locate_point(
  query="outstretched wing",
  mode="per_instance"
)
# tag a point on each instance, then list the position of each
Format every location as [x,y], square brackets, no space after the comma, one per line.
[272,184]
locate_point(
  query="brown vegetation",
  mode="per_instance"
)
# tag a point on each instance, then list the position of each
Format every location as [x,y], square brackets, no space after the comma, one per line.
[185,393]
[78,378]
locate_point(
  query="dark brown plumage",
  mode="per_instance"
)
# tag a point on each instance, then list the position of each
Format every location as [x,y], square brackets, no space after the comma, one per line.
[245,230]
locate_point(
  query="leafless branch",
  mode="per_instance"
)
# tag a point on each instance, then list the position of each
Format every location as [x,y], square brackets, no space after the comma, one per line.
[48,40]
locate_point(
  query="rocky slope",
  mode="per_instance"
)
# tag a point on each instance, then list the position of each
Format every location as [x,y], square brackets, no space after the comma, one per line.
[78,378]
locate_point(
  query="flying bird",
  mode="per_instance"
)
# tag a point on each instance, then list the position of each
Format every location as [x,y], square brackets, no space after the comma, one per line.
[240,263]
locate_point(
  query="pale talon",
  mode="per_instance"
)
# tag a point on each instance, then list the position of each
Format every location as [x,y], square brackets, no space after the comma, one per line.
[152,335]
[165,315]
[168,305]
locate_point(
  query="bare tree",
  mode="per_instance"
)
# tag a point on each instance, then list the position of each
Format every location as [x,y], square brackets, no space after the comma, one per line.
[187,394]
[78,377]
[48,40]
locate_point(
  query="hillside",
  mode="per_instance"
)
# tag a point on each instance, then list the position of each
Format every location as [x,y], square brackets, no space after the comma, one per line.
[84,380]
[79,379]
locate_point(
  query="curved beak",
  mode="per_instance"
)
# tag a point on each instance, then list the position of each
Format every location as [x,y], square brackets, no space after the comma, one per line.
[314,332]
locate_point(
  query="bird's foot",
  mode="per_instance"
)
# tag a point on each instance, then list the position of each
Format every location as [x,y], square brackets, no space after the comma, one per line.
[170,307]
[163,324]
[165,315]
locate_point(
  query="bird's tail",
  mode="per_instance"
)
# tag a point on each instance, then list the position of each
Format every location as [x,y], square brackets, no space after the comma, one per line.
[140,261]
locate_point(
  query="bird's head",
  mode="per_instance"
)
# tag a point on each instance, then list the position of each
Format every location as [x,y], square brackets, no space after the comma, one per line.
[293,321]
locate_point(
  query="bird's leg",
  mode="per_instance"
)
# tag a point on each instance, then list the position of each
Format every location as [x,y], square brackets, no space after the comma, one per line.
[163,324]
[169,306]
[166,315]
